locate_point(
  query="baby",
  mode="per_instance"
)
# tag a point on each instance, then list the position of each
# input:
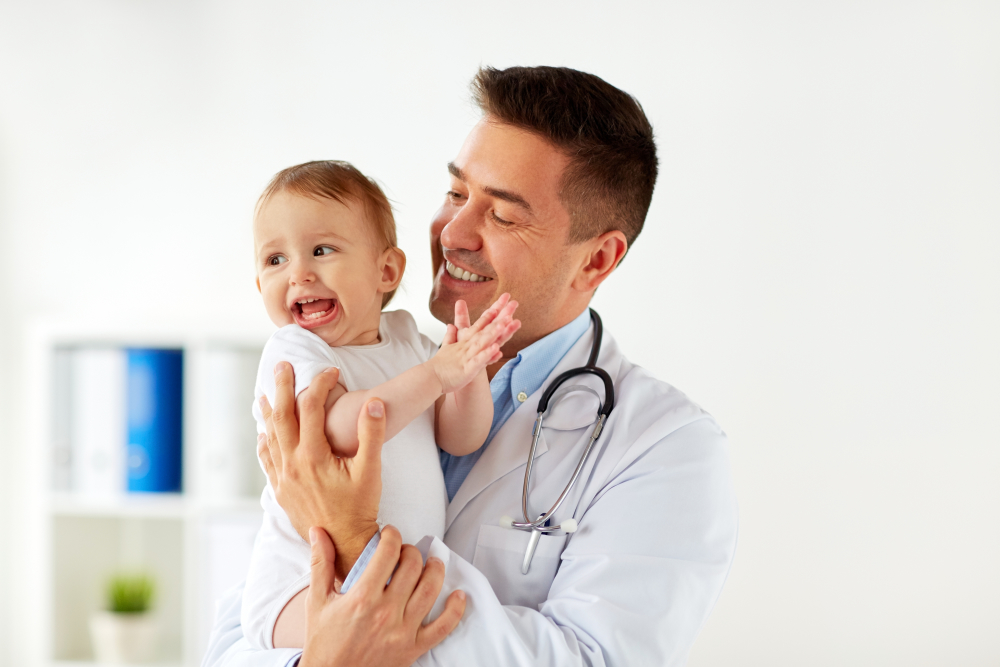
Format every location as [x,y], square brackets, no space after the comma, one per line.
[327,264]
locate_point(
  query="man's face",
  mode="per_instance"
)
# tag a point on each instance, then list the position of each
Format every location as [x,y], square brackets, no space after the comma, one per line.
[502,228]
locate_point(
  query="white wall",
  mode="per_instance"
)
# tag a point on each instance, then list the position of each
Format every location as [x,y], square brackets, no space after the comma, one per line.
[818,269]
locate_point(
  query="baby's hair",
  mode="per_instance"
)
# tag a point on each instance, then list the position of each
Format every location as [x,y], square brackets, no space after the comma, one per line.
[342,182]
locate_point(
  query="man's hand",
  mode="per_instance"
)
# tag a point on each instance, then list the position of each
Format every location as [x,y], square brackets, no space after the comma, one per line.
[374,624]
[468,349]
[314,487]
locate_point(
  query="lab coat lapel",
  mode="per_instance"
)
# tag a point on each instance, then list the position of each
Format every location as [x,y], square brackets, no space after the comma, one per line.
[508,450]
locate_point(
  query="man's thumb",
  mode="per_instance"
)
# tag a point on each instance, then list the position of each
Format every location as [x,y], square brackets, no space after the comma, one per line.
[371,436]
[321,582]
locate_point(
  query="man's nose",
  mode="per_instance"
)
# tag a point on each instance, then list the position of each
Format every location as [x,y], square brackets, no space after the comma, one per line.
[463,231]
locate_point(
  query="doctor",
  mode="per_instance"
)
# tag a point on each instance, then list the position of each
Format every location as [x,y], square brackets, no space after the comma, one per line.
[547,193]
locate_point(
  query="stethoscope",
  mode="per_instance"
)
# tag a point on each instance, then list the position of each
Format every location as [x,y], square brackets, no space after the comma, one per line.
[540,525]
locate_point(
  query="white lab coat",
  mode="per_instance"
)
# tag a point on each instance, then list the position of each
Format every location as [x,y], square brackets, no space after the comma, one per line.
[633,586]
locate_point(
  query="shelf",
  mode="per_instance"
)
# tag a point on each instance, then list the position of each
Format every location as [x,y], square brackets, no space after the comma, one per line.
[146,506]
[196,544]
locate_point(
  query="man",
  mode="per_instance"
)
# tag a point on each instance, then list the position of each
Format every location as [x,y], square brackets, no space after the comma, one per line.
[548,192]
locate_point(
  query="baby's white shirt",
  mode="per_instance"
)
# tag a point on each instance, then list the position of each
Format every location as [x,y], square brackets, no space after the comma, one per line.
[413,492]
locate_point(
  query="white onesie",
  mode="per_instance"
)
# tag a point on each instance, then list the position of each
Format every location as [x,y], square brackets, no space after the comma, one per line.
[413,492]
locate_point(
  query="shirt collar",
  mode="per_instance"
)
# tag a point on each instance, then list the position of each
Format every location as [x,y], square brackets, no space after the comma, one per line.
[527,371]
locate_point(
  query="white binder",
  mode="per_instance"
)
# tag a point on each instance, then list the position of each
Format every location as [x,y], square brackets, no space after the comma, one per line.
[97,418]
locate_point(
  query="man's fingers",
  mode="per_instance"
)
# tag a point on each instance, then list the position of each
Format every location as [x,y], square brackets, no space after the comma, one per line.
[264,454]
[382,563]
[371,437]
[434,632]
[426,591]
[408,571]
[271,438]
[312,409]
[286,426]
[322,579]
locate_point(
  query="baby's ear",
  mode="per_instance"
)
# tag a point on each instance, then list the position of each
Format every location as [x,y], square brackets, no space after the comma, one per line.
[392,264]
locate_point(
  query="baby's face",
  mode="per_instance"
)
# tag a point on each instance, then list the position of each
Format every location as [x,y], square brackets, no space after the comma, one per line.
[317,267]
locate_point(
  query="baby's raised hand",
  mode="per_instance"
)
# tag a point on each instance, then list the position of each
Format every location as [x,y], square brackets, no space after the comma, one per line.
[468,349]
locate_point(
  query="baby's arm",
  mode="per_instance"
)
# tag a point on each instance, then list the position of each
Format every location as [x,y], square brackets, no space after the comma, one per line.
[464,417]
[458,363]
[279,569]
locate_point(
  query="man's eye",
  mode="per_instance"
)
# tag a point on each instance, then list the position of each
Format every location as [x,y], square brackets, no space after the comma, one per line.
[274,260]
[323,250]
[500,221]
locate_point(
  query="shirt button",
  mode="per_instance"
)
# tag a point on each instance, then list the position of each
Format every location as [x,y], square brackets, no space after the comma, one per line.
[522,397]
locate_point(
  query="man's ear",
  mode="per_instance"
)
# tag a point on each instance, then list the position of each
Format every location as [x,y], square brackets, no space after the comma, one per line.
[392,263]
[603,255]
[257,280]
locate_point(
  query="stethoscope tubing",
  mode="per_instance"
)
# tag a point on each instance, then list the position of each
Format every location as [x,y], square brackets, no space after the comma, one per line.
[537,526]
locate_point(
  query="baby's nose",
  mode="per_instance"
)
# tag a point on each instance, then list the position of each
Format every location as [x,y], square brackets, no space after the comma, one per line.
[302,277]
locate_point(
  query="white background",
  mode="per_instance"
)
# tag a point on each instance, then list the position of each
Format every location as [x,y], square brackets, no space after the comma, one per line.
[819,267]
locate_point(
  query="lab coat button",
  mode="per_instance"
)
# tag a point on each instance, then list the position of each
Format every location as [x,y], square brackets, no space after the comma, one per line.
[522,397]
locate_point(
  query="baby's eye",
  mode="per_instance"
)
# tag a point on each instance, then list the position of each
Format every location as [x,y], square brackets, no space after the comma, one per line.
[274,260]
[453,196]
[323,250]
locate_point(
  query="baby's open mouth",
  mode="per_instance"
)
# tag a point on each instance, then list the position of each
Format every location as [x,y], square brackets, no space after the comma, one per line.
[313,310]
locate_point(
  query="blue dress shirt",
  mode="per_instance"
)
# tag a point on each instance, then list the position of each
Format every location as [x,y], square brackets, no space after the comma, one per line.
[521,376]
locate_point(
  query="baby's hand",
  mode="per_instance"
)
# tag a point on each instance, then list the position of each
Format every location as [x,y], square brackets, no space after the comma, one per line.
[467,350]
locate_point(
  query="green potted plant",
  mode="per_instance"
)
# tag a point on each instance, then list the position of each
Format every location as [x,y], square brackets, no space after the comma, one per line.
[127,631]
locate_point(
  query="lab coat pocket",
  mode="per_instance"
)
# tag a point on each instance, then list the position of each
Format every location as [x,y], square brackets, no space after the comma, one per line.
[499,554]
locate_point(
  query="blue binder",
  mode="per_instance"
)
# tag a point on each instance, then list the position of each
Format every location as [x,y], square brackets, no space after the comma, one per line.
[155,396]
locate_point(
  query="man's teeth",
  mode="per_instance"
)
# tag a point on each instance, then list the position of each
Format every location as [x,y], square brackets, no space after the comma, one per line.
[462,274]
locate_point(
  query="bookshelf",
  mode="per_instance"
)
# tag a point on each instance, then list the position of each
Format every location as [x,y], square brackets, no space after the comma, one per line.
[196,543]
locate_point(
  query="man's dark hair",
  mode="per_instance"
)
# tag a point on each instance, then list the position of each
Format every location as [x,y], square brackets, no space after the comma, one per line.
[609,181]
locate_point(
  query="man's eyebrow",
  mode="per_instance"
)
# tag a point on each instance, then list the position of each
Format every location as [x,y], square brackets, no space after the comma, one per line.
[505,195]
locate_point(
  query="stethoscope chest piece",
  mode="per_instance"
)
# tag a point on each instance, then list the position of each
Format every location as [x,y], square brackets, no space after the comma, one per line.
[541,524]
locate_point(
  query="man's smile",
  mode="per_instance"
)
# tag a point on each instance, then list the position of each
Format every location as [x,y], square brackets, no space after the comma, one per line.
[462,271]
[458,273]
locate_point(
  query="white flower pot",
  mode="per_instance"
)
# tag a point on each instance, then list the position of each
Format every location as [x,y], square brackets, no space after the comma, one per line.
[123,638]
